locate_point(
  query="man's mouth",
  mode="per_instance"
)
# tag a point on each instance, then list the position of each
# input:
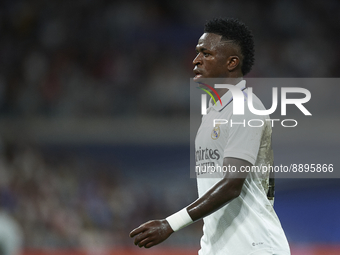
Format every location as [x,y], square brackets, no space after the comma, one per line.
[198,75]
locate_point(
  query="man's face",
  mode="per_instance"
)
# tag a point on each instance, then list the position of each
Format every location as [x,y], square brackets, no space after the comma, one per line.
[212,57]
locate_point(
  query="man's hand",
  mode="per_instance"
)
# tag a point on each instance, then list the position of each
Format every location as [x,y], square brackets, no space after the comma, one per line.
[151,233]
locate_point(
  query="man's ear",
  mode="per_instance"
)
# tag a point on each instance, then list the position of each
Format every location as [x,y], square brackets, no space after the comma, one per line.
[232,63]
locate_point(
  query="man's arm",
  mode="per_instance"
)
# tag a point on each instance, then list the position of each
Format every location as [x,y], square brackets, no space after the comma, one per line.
[156,231]
[221,193]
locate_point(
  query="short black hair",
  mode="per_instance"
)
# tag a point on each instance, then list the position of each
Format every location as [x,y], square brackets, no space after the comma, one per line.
[237,32]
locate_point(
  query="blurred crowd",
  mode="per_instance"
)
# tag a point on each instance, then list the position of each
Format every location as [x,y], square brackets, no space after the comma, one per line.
[101,58]
[108,58]
[65,200]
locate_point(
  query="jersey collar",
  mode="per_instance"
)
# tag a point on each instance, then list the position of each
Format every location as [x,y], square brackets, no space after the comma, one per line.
[227,97]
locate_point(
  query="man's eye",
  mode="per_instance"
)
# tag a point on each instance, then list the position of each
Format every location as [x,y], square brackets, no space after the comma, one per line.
[206,54]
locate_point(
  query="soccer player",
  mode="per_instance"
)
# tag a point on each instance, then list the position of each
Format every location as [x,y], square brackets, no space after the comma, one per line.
[238,216]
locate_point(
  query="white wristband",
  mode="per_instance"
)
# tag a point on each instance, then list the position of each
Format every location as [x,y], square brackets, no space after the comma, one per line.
[179,219]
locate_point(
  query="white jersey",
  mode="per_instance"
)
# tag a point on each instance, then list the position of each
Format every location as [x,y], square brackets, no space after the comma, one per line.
[248,225]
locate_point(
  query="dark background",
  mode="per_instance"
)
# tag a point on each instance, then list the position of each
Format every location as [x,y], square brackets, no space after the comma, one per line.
[94,114]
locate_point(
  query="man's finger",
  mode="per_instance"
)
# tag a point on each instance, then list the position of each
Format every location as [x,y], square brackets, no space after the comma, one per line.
[149,245]
[144,242]
[140,237]
[136,231]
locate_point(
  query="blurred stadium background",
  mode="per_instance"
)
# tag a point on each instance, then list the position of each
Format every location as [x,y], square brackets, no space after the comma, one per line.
[94,119]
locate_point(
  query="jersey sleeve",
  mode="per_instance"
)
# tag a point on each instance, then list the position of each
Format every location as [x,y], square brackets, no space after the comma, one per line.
[244,136]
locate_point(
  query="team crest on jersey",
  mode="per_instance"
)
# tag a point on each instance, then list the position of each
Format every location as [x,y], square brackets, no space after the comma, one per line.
[215,133]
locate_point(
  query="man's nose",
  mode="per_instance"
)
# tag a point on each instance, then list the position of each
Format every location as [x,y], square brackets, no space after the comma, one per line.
[197,60]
